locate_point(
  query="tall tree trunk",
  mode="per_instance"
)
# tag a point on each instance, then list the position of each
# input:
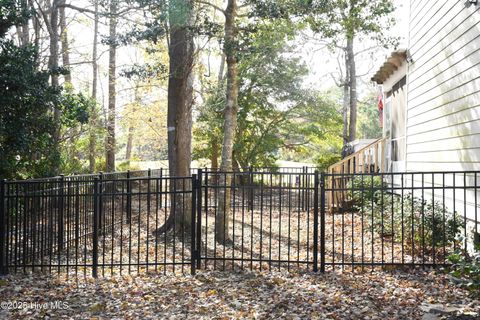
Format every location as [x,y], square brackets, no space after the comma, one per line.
[179,118]
[23,30]
[92,139]
[221,71]
[54,39]
[65,45]
[112,78]
[37,33]
[214,160]
[215,144]
[346,103]
[345,108]
[214,155]
[230,122]
[128,153]
[53,65]
[352,128]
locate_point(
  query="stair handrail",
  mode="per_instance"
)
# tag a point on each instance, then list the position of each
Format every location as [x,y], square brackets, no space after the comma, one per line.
[357,153]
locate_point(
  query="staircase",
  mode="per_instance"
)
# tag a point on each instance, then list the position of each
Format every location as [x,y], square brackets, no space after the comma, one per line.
[370,159]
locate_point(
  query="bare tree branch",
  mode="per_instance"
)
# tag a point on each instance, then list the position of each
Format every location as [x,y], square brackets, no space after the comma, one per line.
[45,17]
[79,9]
[211,5]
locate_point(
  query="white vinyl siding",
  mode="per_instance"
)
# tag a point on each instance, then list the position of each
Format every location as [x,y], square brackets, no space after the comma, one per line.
[443,96]
[443,113]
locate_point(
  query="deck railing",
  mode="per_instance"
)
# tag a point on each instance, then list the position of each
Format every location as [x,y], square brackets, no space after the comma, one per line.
[370,159]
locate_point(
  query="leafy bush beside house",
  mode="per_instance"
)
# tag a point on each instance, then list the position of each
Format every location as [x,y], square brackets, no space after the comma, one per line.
[363,190]
[422,225]
[466,270]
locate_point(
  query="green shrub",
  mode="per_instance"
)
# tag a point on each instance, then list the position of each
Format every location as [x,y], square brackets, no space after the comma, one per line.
[127,165]
[421,224]
[466,270]
[362,190]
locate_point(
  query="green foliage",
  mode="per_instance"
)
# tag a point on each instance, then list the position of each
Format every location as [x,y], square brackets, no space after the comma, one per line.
[100,164]
[341,19]
[326,158]
[432,226]
[268,79]
[71,163]
[277,117]
[314,130]
[75,107]
[207,130]
[75,145]
[466,270]
[11,14]
[146,71]
[127,165]
[424,225]
[307,131]
[365,190]
[26,122]
[368,125]
[27,105]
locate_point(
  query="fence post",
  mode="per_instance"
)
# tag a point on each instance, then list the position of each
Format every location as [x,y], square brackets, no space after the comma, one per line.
[250,183]
[149,190]
[206,191]
[3,225]
[129,198]
[302,187]
[77,189]
[193,237]
[160,185]
[199,218]
[315,223]
[61,222]
[101,185]
[96,207]
[322,222]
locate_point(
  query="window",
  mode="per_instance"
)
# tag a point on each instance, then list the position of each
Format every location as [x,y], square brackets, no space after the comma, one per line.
[395,120]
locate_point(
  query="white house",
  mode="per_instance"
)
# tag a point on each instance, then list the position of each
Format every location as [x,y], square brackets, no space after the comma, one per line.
[434,117]
[432,99]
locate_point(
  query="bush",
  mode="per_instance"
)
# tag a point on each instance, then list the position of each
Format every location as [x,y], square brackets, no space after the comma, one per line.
[362,190]
[422,224]
[127,165]
[466,270]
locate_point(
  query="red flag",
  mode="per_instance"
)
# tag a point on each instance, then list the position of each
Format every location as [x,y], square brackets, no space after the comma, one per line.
[380,107]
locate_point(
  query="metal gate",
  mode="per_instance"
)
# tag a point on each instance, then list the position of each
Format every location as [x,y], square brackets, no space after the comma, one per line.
[260,220]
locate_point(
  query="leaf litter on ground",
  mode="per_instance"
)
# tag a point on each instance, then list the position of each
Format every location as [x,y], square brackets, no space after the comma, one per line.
[241,295]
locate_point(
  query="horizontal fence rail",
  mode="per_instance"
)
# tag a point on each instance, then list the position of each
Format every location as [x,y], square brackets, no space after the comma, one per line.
[259,219]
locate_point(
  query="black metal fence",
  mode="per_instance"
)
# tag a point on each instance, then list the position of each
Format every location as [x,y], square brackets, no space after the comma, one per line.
[414,218]
[269,220]
[259,220]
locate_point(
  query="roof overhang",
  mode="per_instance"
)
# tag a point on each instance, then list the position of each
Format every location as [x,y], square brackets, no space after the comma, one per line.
[394,61]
